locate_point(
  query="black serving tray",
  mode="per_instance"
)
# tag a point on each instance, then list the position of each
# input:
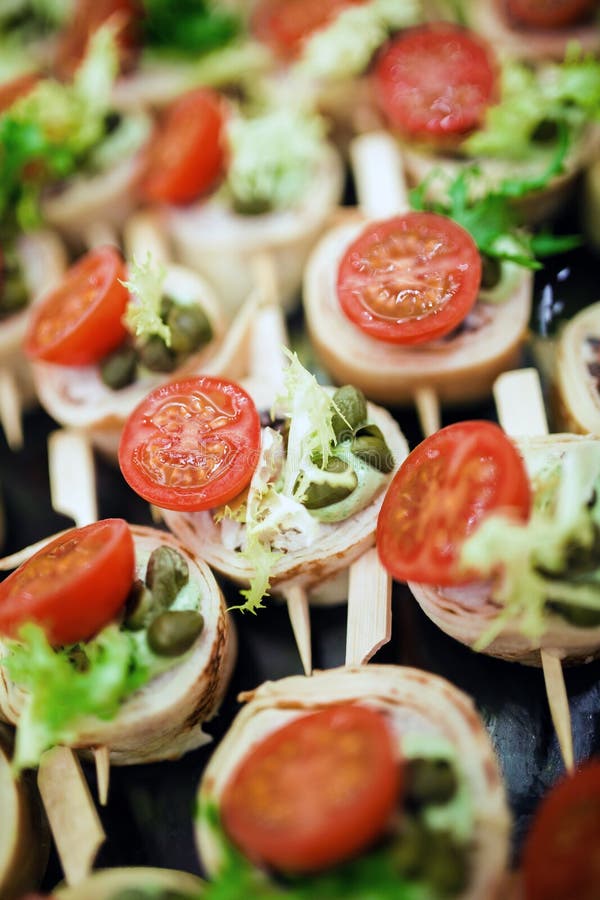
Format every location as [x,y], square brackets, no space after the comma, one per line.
[148,818]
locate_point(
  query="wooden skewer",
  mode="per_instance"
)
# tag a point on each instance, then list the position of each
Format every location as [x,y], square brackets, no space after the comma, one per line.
[369,624]
[521,412]
[382,192]
[73,493]
[298,608]
[102,763]
[73,818]
[266,366]
[11,409]
[72,475]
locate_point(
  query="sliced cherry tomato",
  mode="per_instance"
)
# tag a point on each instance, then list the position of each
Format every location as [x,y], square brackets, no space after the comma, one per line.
[80,321]
[561,857]
[409,279]
[191,444]
[435,82]
[314,792]
[284,24]
[441,493]
[74,585]
[187,155]
[549,13]
[13,90]
[87,17]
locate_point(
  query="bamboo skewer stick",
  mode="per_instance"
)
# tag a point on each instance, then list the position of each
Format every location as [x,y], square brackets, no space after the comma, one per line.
[11,409]
[382,192]
[369,624]
[266,366]
[72,475]
[102,763]
[73,493]
[521,412]
[73,818]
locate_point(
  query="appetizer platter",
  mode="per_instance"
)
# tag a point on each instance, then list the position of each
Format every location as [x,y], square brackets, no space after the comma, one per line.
[250,174]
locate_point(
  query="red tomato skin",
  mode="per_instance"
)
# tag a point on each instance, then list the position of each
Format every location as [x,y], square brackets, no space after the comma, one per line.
[297,823]
[548,13]
[435,82]
[88,16]
[73,586]
[11,91]
[186,156]
[80,320]
[441,493]
[284,24]
[561,856]
[422,247]
[168,439]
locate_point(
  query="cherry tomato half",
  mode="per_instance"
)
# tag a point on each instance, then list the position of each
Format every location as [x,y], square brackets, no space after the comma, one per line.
[441,493]
[409,279]
[435,82]
[87,17]
[284,24]
[549,13]
[314,792]
[191,444]
[74,585]
[186,156]
[80,321]
[561,857]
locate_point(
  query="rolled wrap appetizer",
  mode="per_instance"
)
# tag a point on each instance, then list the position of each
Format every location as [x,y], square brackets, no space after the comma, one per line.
[507,563]
[83,166]
[501,115]
[137,670]
[271,500]
[135,883]
[325,50]
[404,796]
[110,331]
[576,371]
[534,32]
[30,265]
[24,840]
[397,304]
[280,181]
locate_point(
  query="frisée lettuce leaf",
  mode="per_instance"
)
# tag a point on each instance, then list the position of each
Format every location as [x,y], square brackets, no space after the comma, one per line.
[64,685]
[551,559]
[534,102]
[143,312]
[45,134]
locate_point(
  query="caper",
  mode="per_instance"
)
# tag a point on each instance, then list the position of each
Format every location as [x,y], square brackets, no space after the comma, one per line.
[174,632]
[190,328]
[251,206]
[491,271]
[545,132]
[430,781]
[370,446]
[166,573]
[117,370]
[352,411]
[318,495]
[78,659]
[13,295]
[139,606]
[580,616]
[112,120]
[156,356]
[410,850]
[447,868]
